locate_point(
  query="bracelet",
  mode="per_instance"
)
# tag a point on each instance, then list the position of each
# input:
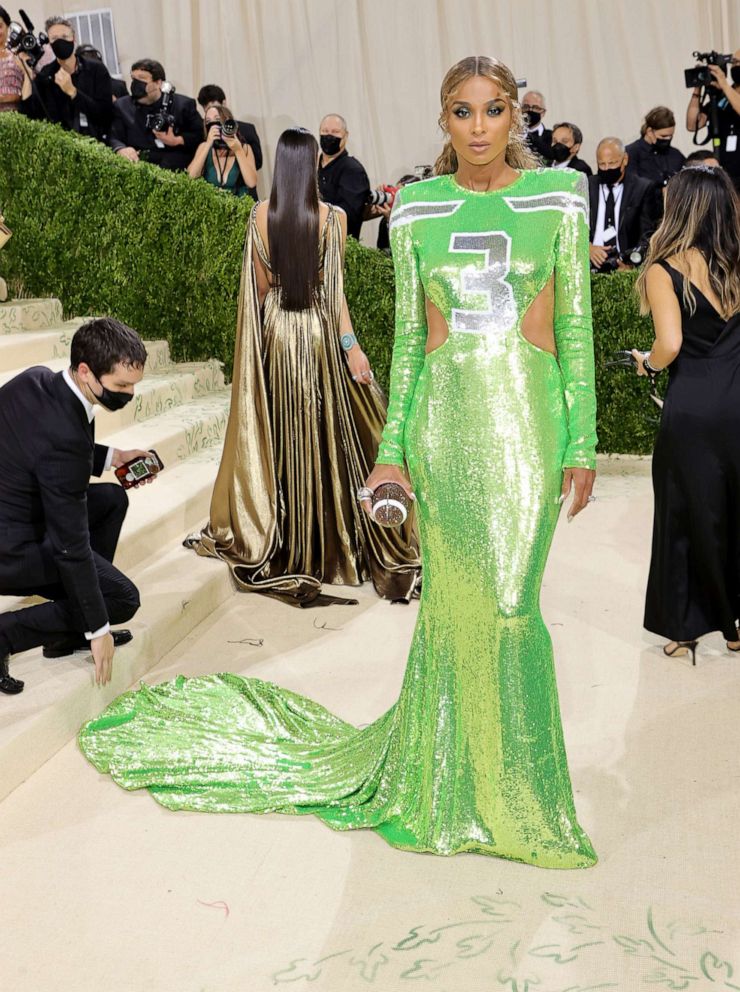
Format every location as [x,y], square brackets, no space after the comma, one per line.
[348,341]
[650,369]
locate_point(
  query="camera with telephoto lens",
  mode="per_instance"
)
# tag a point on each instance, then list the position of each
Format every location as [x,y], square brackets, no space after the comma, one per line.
[226,129]
[700,75]
[382,197]
[22,40]
[163,119]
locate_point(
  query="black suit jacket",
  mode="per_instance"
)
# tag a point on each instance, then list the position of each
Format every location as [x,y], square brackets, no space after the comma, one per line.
[580,165]
[90,111]
[47,455]
[636,219]
[129,130]
[541,144]
[250,137]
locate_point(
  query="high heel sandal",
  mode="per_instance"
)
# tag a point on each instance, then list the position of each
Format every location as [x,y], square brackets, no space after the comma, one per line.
[681,646]
[734,650]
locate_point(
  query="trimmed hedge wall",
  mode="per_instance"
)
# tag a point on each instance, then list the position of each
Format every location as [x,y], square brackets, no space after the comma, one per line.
[163,253]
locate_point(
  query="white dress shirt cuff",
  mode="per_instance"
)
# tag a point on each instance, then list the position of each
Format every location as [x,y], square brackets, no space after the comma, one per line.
[98,633]
[108,460]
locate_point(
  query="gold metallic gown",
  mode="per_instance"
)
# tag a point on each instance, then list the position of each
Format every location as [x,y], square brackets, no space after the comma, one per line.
[301,439]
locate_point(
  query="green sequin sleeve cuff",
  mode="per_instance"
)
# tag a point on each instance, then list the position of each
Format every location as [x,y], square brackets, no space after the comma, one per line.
[574,331]
[410,340]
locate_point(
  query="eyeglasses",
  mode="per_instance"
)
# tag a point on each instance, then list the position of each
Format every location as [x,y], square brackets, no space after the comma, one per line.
[533,106]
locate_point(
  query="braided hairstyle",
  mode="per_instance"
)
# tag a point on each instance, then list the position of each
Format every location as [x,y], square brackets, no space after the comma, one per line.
[518,154]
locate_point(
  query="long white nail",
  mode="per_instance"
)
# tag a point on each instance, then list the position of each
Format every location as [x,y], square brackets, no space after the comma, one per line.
[561,498]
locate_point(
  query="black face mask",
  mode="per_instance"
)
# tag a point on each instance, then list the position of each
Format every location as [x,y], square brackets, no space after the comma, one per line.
[330,144]
[113,400]
[138,89]
[608,177]
[62,48]
[662,145]
[533,118]
[735,75]
[560,152]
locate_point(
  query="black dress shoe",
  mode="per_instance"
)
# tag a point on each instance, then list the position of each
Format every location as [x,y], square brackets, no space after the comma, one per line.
[8,684]
[62,649]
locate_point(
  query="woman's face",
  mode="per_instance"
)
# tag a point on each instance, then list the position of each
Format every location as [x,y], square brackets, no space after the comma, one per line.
[3,33]
[660,134]
[479,120]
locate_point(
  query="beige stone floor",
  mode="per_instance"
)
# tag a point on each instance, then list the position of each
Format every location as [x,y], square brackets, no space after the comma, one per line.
[105,890]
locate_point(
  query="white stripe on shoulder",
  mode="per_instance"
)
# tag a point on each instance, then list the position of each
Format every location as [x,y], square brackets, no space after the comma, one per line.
[422,209]
[560,200]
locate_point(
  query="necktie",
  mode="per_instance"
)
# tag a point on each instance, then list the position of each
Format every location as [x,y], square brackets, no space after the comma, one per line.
[609,217]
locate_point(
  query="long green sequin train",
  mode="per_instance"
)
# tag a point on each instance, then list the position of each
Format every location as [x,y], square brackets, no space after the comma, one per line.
[471,757]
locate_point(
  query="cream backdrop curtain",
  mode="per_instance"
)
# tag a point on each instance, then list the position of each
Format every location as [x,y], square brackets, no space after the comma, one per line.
[379,63]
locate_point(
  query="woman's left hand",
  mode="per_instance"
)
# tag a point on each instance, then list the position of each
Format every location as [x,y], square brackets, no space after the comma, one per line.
[639,357]
[232,142]
[359,366]
[581,480]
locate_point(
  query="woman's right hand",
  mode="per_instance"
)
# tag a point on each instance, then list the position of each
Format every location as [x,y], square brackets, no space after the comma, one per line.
[386,473]
[212,133]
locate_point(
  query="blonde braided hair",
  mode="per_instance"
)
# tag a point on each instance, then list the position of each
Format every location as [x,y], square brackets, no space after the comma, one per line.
[518,154]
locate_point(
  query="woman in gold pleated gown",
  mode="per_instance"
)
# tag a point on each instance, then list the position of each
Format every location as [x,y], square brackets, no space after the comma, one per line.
[305,423]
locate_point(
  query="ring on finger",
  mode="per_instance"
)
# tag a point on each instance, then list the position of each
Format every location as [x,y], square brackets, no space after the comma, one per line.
[591,499]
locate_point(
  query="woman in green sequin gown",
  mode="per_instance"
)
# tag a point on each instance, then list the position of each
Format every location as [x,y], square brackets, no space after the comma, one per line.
[493,428]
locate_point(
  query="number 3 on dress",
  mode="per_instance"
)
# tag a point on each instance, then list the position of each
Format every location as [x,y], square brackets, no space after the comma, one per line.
[490,282]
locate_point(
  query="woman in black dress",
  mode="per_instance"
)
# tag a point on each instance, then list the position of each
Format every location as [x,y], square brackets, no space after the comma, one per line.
[691,285]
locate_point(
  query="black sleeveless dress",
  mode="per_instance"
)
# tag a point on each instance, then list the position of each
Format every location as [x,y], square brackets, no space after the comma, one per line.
[694,583]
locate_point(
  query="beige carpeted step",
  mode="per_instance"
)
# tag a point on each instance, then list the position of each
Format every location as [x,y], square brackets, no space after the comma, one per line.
[177,433]
[51,347]
[30,315]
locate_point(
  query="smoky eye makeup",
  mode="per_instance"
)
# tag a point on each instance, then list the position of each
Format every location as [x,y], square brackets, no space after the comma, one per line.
[496,106]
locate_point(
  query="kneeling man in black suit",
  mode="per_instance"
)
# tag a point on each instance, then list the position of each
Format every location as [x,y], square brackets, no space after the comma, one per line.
[58,534]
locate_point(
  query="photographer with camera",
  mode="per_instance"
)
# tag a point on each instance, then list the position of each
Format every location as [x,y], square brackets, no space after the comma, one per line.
[11,71]
[382,199]
[59,86]
[222,159]
[342,179]
[211,94]
[155,123]
[715,104]
[621,215]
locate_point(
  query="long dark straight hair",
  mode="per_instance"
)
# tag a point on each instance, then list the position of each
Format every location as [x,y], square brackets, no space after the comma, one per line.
[293,219]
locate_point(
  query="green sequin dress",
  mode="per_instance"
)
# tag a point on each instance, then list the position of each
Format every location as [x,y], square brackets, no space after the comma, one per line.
[471,757]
